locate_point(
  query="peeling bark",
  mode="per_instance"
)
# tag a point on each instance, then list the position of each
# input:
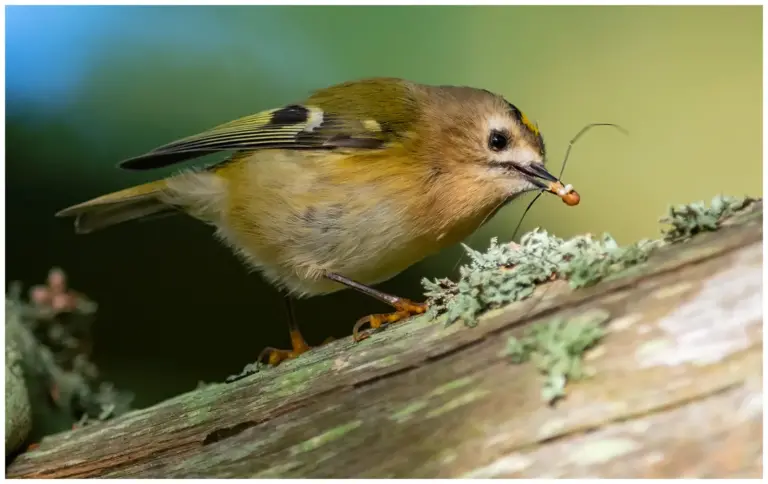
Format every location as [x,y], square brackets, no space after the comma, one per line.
[676,392]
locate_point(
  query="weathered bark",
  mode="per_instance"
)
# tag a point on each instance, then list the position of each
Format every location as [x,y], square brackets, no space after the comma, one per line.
[18,410]
[677,392]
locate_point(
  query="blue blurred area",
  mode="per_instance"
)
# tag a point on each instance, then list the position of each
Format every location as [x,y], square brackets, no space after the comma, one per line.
[47,53]
[50,51]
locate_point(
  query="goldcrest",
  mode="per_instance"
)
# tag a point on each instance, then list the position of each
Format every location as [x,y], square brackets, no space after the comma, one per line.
[347,188]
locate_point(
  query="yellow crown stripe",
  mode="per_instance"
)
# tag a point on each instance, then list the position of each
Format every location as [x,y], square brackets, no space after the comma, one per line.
[528,124]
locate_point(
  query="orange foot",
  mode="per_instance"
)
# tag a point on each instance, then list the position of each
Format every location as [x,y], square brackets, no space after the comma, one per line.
[405,309]
[275,356]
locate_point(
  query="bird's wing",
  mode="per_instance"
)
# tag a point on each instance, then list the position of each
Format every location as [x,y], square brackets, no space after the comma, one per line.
[296,126]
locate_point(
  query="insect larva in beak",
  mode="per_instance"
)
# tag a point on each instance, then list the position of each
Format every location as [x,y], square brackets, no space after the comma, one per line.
[571,198]
[566,192]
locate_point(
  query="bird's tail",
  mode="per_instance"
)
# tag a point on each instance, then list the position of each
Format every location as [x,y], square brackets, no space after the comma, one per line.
[114,208]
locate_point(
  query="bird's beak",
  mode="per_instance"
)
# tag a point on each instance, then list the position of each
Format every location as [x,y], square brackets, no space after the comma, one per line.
[537,174]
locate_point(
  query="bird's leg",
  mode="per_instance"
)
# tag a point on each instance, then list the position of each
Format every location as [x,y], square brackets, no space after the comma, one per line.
[404,308]
[275,356]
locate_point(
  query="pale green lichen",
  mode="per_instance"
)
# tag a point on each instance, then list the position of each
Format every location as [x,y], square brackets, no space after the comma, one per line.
[457,402]
[248,370]
[693,218]
[506,273]
[325,437]
[407,412]
[588,261]
[299,379]
[557,348]
[451,385]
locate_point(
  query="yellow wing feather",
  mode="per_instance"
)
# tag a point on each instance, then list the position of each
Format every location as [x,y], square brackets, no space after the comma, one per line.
[362,114]
[291,127]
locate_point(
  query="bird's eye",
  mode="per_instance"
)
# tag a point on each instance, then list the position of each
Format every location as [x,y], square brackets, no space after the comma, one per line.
[498,141]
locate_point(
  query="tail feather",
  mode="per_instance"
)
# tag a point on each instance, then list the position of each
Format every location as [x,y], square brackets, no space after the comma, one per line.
[130,204]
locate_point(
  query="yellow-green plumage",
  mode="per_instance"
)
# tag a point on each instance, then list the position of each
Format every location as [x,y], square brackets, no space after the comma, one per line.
[390,102]
[362,179]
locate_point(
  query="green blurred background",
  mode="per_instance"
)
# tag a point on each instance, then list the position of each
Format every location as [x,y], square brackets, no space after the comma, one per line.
[89,86]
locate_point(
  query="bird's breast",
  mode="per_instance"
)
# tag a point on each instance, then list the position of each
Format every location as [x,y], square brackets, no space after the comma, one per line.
[296,215]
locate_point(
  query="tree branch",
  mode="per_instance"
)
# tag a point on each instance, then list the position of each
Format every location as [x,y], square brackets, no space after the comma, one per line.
[676,392]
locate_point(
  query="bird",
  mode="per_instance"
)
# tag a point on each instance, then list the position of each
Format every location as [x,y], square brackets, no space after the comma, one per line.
[344,189]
